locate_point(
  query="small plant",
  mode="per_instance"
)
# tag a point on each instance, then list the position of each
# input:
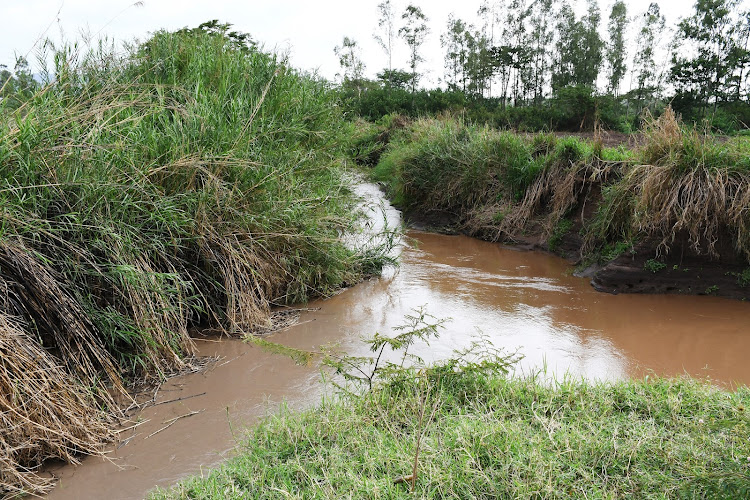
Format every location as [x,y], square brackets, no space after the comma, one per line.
[613,250]
[654,266]
[560,230]
[743,278]
[712,290]
[367,369]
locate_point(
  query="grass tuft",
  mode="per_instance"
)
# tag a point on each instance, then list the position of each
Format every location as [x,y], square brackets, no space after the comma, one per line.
[487,436]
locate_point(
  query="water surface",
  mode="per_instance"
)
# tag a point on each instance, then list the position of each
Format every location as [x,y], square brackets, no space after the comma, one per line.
[523,301]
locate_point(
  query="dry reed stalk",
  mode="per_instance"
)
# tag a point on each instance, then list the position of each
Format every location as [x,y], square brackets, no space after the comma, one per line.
[37,293]
[42,415]
[250,281]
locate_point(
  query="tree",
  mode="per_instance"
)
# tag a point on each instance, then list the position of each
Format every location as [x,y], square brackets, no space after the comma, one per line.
[454,42]
[618,21]
[713,71]
[479,68]
[644,65]
[351,63]
[414,31]
[591,46]
[18,86]
[567,30]
[516,49]
[395,78]
[386,25]
[541,36]
[579,48]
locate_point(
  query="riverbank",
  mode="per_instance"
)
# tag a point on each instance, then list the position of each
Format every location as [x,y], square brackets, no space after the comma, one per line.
[193,180]
[666,216]
[528,302]
[472,434]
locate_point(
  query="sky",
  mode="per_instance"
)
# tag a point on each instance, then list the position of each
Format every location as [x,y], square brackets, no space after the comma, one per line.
[307,30]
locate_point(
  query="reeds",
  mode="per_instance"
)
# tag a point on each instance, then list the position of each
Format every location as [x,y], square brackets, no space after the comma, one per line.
[190,182]
[42,414]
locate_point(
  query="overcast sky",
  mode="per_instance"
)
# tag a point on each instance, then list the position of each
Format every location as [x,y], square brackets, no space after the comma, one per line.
[308,30]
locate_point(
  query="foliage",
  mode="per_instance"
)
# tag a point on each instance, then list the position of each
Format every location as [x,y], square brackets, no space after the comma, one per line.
[654,266]
[478,434]
[351,63]
[369,370]
[616,55]
[414,32]
[194,180]
[718,32]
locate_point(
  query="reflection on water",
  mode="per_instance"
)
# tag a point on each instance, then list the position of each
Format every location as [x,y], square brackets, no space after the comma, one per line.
[523,301]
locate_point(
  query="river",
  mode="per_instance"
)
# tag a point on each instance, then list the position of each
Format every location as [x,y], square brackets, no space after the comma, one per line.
[528,302]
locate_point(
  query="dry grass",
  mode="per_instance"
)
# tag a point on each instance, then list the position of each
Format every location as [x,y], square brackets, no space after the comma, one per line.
[686,183]
[45,416]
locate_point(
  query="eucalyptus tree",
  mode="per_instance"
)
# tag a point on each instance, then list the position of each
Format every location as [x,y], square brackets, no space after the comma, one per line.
[589,59]
[516,49]
[579,47]
[352,66]
[565,47]
[541,36]
[386,25]
[616,50]
[414,32]
[644,63]
[454,42]
[712,71]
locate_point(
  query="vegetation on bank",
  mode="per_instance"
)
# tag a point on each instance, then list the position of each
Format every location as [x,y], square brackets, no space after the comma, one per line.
[474,433]
[194,181]
[676,184]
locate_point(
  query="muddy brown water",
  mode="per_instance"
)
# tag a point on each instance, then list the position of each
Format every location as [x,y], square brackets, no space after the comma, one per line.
[525,301]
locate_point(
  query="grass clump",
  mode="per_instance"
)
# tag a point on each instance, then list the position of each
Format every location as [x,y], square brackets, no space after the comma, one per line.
[683,184]
[193,181]
[478,434]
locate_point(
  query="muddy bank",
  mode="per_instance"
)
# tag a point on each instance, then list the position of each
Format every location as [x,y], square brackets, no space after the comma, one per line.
[667,216]
[642,268]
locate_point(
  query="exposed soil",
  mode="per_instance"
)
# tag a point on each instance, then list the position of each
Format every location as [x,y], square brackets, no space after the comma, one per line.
[643,269]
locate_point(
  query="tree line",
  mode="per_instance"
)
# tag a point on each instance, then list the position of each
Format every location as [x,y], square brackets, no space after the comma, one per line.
[538,53]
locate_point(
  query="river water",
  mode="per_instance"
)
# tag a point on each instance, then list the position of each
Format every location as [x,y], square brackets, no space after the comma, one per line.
[527,302]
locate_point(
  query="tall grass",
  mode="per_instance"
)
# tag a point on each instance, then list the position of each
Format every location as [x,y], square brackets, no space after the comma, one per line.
[195,180]
[499,185]
[684,184]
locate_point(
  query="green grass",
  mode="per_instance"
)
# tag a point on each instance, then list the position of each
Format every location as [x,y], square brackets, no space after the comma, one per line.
[487,436]
[192,181]
[676,182]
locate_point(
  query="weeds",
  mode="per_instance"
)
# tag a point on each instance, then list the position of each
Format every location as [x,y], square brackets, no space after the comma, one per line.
[484,435]
[654,266]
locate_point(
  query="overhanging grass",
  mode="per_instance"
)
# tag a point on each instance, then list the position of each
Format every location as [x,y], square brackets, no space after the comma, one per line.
[193,181]
[492,437]
[500,184]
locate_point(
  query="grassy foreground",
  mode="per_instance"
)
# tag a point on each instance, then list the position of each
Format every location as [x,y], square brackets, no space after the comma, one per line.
[194,180]
[487,436]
